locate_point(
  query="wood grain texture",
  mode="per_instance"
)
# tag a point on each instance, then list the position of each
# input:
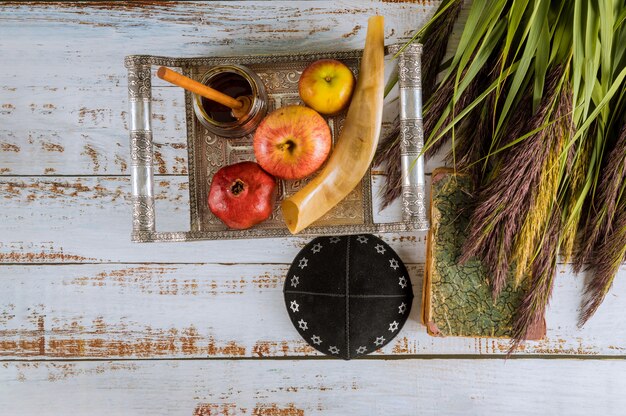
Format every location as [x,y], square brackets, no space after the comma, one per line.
[328,387]
[74,292]
[72,119]
[216,310]
[88,219]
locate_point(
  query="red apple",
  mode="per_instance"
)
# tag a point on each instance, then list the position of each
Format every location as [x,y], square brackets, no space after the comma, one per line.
[326,86]
[292,142]
[242,195]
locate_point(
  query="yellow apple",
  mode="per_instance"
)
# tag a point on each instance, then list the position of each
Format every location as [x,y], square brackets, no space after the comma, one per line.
[326,86]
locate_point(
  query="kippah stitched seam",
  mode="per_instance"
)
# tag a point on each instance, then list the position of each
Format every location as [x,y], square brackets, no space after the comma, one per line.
[347,294]
[340,295]
[300,292]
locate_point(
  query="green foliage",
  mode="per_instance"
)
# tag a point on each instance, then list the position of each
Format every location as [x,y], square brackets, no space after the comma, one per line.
[557,92]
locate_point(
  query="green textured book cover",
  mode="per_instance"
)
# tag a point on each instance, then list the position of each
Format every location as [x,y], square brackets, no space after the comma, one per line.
[457,298]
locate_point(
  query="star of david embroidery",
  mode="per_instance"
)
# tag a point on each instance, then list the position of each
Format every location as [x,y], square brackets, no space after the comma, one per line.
[361,239]
[379,341]
[294,306]
[316,248]
[402,282]
[380,249]
[295,281]
[333,350]
[361,350]
[334,240]
[393,327]
[303,262]
[393,263]
[303,325]
[402,308]
[316,340]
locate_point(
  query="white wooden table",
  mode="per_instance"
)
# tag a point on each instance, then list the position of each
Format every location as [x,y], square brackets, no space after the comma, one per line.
[93,324]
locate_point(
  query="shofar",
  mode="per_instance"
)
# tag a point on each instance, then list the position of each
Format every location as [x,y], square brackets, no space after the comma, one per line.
[356,144]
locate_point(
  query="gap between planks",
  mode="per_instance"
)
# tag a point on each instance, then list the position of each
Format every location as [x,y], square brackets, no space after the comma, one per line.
[184,263]
[388,357]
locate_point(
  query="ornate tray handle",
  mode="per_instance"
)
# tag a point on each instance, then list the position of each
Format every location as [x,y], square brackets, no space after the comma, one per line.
[411,134]
[141,169]
[412,138]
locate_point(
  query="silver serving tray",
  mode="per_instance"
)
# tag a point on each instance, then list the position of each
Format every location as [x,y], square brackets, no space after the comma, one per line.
[209,152]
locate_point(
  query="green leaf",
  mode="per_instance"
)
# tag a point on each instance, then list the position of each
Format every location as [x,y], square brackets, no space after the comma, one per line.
[591,59]
[393,80]
[516,13]
[561,34]
[484,52]
[620,19]
[443,7]
[578,56]
[432,138]
[542,56]
[606,22]
[483,15]
[490,19]
[515,16]
[514,91]
[584,127]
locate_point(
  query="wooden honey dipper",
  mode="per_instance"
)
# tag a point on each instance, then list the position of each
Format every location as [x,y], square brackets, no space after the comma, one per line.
[240,106]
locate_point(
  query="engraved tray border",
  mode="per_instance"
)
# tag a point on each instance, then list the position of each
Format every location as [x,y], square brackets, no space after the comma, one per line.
[142,169]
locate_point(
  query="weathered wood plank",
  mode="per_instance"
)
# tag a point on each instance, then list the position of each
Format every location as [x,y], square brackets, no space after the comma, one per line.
[45,32]
[84,130]
[425,387]
[71,119]
[74,131]
[200,310]
[88,219]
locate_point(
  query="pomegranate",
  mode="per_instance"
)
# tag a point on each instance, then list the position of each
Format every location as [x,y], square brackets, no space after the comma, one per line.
[242,195]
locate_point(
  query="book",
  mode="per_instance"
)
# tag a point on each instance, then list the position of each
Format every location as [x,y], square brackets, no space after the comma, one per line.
[457,298]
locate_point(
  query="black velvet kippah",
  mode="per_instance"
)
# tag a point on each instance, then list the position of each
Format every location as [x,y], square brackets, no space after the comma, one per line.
[348,296]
